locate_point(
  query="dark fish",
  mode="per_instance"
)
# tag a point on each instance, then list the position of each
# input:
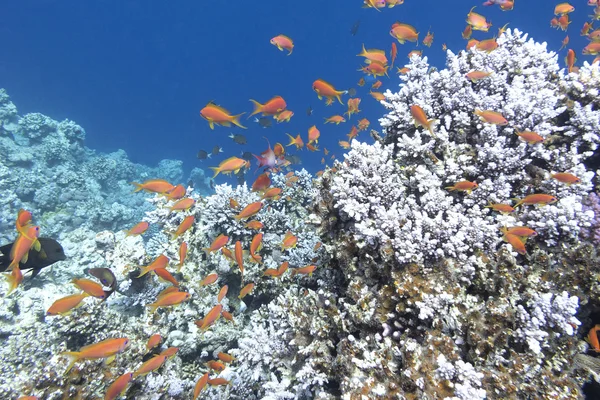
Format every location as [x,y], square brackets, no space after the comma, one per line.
[352,92]
[212,184]
[294,159]
[354,28]
[216,150]
[202,155]
[50,253]
[246,155]
[239,139]
[240,177]
[106,277]
[191,183]
[265,122]
[309,111]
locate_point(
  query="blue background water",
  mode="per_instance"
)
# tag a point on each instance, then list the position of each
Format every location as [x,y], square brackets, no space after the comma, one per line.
[135,74]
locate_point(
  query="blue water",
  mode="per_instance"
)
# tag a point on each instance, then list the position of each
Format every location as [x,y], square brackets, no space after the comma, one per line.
[135,74]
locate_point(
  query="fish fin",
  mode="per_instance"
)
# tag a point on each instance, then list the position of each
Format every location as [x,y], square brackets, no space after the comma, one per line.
[110,359]
[37,246]
[236,121]
[35,272]
[73,356]
[217,171]
[143,271]
[257,106]
[25,258]
[138,186]
[211,125]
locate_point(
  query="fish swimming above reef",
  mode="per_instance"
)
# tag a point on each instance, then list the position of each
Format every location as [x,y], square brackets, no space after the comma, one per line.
[203,155]
[264,122]
[239,139]
[51,251]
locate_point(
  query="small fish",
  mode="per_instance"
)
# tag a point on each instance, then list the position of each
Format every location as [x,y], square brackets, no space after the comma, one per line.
[521,231]
[209,279]
[166,276]
[150,366]
[474,76]
[325,89]
[90,287]
[26,241]
[477,21]
[160,262]
[404,32]
[261,183]
[226,358]
[466,34]
[501,208]
[183,248]
[255,245]
[106,277]
[335,119]
[566,178]
[154,186]
[491,117]
[218,382]
[239,257]
[239,139]
[283,42]
[118,387]
[250,210]
[393,52]
[255,225]
[246,290]
[169,352]
[66,304]
[200,385]
[295,141]
[232,164]
[564,43]
[284,116]
[272,193]
[428,40]
[203,155]
[308,270]
[276,273]
[183,204]
[170,299]
[529,137]
[420,119]
[176,193]
[215,365]
[213,316]
[354,28]
[563,8]
[104,349]
[219,242]
[222,293]
[220,116]
[289,241]
[216,150]
[248,156]
[153,341]
[487,45]
[570,60]
[272,107]
[138,229]
[463,186]
[539,198]
[517,244]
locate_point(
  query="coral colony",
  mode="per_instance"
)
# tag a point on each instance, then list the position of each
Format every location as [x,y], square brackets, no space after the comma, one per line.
[453,258]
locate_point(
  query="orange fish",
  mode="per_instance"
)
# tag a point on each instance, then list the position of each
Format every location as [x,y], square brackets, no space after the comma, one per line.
[377,95]
[261,183]
[276,273]
[215,365]
[314,134]
[361,82]
[200,384]
[64,305]
[150,366]
[227,315]
[184,226]
[324,89]
[222,293]
[118,387]
[227,253]
[138,229]
[474,76]
[404,32]
[232,164]
[279,150]
[363,124]
[255,225]
[90,287]
[563,8]
[487,45]
[563,22]
[344,144]
[160,262]
[529,137]
[353,133]
[491,117]
[239,257]
[591,49]
[308,270]
[153,342]
[587,27]
[375,68]
[283,42]
[376,85]
[226,358]
[250,210]
[415,53]
[274,106]
[472,43]
[272,193]
[170,289]
[14,279]
[183,248]
[289,241]
[284,116]
[169,352]
[220,116]
[420,118]
[565,42]
[335,119]
[570,60]
[592,339]
[176,193]
[521,231]
[19,252]
[463,186]
[219,242]
[428,40]
[170,299]
[352,107]
[477,21]
[212,317]
[104,349]
[539,198]
[373,55]
[516,243]
[233,203]
[209,279]
[183,205]
[246,290]
[466,34]
[502,208]
[154,186]
[166,276]
[444,47]
[393,53]
[566,178]
[255,246]
[218,382]
[502,30]
[296,141]
[23,220]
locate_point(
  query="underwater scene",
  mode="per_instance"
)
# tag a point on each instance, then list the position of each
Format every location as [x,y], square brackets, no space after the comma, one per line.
[343,199]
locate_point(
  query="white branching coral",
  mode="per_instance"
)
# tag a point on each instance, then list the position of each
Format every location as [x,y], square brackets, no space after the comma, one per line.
[395,194]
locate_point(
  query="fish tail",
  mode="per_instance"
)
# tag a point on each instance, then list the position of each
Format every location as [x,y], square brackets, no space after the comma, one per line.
[217,171]
[257,107]
[73,356]
[138,187]
[236,121]
[144,271]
